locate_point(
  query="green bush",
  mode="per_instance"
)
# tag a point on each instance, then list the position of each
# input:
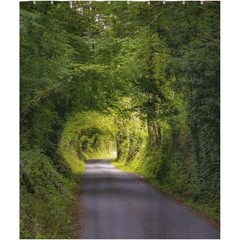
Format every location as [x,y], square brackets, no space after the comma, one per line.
[45,197]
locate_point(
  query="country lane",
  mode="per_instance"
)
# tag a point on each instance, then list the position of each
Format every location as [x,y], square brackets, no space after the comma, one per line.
[116,205]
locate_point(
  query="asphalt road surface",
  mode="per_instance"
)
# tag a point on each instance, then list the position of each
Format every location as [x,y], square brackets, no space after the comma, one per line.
[116,205]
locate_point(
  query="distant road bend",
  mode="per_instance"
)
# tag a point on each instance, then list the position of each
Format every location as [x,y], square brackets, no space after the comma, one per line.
[116,205]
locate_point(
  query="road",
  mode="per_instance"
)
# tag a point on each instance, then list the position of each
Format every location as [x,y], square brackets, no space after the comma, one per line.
[116,205]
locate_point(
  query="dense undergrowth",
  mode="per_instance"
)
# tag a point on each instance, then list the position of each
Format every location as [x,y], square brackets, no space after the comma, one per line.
[172,170]
[46,195]
[48,185]
[166,157]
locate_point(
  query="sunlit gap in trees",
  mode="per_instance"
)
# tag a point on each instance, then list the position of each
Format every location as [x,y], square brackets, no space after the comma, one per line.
[101,169]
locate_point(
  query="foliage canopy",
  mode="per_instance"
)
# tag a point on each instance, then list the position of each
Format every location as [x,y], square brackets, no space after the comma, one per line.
[141,77]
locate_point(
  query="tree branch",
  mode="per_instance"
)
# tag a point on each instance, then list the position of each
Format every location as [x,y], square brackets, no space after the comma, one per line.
[211,3]
[149,23]
[195,58]
[214,12]
[151,6]
[35,101]
[210,37]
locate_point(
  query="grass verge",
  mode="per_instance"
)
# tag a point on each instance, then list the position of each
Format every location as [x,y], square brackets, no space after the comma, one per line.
[77,212]
[199,210]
